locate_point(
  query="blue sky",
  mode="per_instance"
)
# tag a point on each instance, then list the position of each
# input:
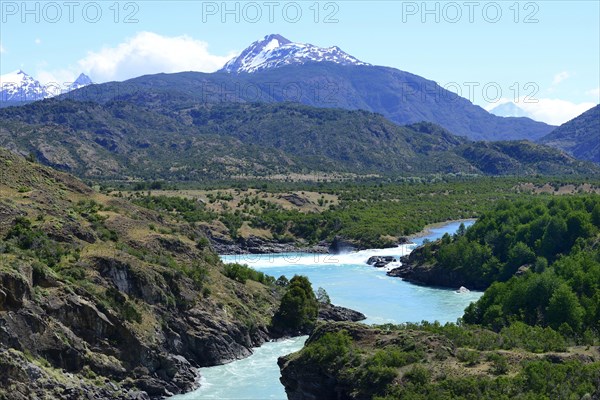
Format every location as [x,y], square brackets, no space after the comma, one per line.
[549,50]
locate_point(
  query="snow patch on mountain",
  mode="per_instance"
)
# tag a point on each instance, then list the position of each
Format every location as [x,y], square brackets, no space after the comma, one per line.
[275,51]
[18,86]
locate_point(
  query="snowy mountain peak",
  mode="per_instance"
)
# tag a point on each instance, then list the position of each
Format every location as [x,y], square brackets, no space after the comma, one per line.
[81,81]
[509,109]
[19,86]
[275,51]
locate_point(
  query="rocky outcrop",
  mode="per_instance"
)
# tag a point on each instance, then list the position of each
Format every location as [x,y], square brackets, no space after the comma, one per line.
[100,299]
[332,313]
[75,333]
[417,270]
[307,380]
[23,378]
[314,383]
[296,199]
[380,261]
[339,245]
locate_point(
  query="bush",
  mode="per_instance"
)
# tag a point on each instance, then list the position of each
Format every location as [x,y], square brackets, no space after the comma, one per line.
[418,375]
[499,364]
[330,350]
[299,308]
[242,273]
[470,357]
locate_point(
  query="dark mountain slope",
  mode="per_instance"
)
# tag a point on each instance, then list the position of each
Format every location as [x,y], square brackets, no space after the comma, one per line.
[580,137]
[400,96]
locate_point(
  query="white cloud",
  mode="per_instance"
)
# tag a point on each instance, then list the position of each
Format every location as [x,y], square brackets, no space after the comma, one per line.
[594,92]
[61,77]
[554,111]
[38,41]
[550,111]
[561,76]
[150,53]
[2,49]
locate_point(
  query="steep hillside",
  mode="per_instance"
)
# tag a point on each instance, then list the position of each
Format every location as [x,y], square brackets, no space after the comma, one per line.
[102,299]
[580,137]
[154,135]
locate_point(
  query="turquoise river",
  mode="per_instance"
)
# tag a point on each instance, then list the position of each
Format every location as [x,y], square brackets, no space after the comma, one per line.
[351,283]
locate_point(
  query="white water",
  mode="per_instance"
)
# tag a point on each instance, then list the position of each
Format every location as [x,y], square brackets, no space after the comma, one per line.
[350,283]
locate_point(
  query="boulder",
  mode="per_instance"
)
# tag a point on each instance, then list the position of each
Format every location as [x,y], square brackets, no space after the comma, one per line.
[330,312]
[340,245]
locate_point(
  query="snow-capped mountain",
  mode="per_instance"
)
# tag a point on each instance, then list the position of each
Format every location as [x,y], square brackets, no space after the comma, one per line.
[18,86]
[275,51]
[81,81]
[509,109]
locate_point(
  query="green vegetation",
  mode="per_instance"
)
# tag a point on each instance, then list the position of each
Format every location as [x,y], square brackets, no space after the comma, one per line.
[189,210]
[370,213]
[553,244]
[24,236]
[298,309]
[533,334]
[525,234]
[535,380]
[429,360]
[181,140]
[242,273]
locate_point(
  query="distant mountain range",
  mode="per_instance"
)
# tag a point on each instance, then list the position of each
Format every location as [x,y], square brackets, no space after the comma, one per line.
[19,87]
[150,135]
[580,137]
[276,69]
[279,107]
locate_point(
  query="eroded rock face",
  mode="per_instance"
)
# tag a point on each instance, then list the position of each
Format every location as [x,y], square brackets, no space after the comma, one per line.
[95,304]
[340,245]
[28,380]
[73,332]
[308,383]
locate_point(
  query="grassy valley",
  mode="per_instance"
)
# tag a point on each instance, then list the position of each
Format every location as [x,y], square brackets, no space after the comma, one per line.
[367,213]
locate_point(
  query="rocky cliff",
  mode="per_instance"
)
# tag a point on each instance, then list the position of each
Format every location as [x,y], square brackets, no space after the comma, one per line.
[102,298]
[417,269]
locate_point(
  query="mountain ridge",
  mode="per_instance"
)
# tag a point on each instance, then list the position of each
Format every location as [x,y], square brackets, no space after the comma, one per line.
[580,137]
[400,96]
[140,137]
[19,87]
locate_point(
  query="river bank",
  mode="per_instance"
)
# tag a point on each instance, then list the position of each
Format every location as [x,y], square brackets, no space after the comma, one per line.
[431,228]
[350,283]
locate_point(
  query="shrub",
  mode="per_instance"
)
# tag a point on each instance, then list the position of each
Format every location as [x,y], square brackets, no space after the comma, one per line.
[299,307]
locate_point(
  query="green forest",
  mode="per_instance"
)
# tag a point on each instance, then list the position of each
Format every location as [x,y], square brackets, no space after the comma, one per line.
[532,335]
